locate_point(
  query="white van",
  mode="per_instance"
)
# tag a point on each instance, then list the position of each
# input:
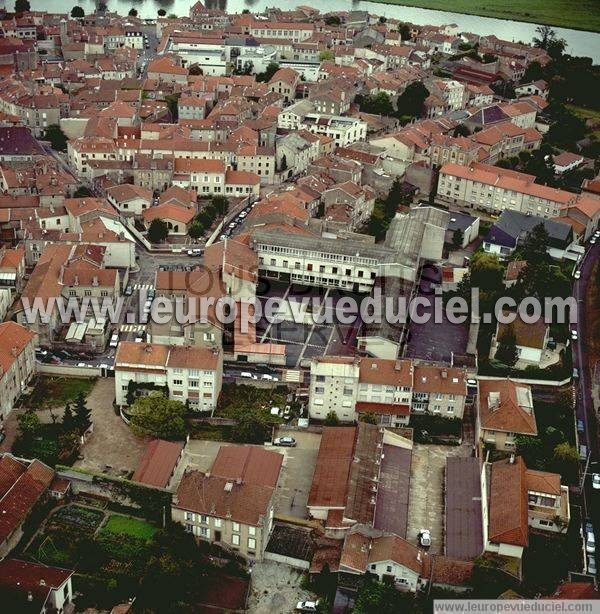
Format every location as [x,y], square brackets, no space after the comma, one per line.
[114,340]
[247,375]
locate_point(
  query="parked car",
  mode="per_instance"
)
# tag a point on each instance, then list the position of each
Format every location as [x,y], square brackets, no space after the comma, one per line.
[574,335]
[425,538]
[575,372]
[593,241]
[128,290]
[580,426]
[596,481]
[195,252]
[591,567]
[243,214]
[590,540]
[114,340]
[307,606]
[267,377]
[577,274]
[285,442]
[248,375]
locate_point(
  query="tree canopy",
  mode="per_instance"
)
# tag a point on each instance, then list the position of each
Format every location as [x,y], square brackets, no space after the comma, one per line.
[158,416]
[77,12]
[57,138]
[158,231]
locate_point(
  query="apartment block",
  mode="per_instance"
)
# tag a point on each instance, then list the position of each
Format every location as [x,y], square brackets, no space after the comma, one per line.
[494,189]
[192,374]
[232,504]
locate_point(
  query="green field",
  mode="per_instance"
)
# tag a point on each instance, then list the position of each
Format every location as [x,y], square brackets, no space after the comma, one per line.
[129,526]
[586,114]
[581,15]
[57,391]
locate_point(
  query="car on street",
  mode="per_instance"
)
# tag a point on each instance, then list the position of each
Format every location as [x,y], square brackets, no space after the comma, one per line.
[307,606]
[590,540]
[580,426]
[248,375]
[243,214]
[591,567]
[593,240]
[232,225]
[596,481]
[285,442]
[222,237]
[128,290]
[195,252]
[114,340]
[575,372]
[424,538]
[577,274]
[574,335]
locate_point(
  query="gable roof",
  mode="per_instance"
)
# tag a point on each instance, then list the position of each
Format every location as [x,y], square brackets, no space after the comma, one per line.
[250,464]
[508,503]
[158,463]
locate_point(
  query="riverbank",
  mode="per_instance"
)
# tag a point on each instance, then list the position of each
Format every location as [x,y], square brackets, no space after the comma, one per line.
[581,15]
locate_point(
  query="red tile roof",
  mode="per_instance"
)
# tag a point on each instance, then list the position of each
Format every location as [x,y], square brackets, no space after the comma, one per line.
[158,463]
[330,480]
[250,464]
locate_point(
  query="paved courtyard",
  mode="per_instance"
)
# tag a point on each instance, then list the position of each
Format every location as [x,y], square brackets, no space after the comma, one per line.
[112,442]
[426,501]
[275,588]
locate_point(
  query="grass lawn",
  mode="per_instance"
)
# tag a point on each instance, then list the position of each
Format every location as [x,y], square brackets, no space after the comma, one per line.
[57,391]
[586,114]
[581,15]
[129,526]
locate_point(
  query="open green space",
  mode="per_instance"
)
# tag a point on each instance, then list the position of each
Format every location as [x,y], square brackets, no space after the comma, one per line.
[52,392]
[582,15]
[129,526]
[587,114]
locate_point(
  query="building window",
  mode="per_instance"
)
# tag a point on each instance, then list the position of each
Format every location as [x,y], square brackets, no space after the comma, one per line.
[236,527]
[217,523]
[189,516]
[251,543]
[252,531]
[235,540]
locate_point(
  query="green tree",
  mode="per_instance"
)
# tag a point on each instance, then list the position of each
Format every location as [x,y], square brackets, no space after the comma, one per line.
[68,419]
[77,12]
[162,12]
[457,238]
[507,352]
[220,204]
[196,230]
[251,427]
[331,419]
[566,453]
[368,418]
[22,6]
[266,76]
[325,55]
[411,102]
[534,247]
[82,192]
[333,20]
[172,101]
[133,12]
[28,424]
[158,231]
[486,273]
[461,130]
[380,104]
[195,70]
[375,597]
[82,415]
[158,416]
[57,138]
[404,30]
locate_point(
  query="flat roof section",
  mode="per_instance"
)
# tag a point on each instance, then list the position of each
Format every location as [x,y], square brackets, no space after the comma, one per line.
[464,528]
[391,508]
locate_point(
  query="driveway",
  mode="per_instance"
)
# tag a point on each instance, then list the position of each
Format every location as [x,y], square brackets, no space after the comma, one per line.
[297,473]
[426,501]
[112,442]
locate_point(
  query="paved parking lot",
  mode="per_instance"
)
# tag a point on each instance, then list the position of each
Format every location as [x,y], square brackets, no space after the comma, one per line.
[426,501]
[296,475]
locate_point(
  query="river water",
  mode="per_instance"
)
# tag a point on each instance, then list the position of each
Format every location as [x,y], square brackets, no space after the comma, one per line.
[579,42]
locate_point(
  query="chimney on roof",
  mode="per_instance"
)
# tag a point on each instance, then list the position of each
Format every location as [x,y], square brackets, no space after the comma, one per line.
[444,374]
[76,281]
[42,582]
[15,351]
[511,460]
[148,349]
